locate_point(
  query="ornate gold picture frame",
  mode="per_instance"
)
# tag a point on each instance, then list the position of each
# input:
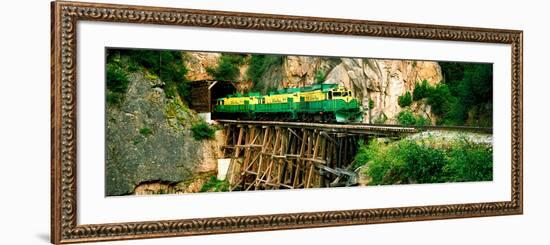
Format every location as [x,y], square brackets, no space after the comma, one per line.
[64,108]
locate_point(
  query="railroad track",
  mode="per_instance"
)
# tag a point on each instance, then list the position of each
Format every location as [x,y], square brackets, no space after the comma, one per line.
[432,128]
[361,127]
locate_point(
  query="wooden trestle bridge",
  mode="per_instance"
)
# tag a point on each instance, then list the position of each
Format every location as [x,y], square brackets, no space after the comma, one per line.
[290,155]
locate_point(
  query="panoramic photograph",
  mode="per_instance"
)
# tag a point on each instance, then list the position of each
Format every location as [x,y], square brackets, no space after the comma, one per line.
[193,122]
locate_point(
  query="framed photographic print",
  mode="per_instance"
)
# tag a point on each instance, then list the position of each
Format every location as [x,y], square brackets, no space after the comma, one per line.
[175,122]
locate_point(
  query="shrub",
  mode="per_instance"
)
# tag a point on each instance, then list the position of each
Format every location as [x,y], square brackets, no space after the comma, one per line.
[215,185]
[117,83]
[440,99]
[364,153]
[444,104]
[145,131]
[405,100]
[320,76]
[422,121]
[371,103]
[408,161]
[383,165]
[422,163]
[406,117]
[470,162]
[381,119]
[228,67]
[421,90]
[202,131]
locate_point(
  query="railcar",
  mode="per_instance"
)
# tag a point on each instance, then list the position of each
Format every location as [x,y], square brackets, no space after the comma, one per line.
[321,103]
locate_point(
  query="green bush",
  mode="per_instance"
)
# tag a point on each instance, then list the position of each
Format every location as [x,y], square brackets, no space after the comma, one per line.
[228,67]
[421,90]
[444,104]
[408,161]
[381,119]
[422,163]
[406,117]
[202,131]
[364,153]
[383,165]
[422,121]
[371,103]
[117,83]
[441,100]
[215,185]
[470,162]
[320,76]
[145,131]
[405,100]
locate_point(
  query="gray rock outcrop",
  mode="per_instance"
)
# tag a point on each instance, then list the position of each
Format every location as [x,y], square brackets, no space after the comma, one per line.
[148,139]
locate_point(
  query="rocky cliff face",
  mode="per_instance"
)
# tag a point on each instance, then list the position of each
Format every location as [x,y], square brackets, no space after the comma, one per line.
[145,120]
[197,62]
[381,81]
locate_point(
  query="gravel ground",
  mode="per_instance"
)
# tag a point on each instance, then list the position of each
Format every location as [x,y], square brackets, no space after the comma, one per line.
[450,136]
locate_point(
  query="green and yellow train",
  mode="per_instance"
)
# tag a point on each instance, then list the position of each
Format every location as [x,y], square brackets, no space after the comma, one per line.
[321,103]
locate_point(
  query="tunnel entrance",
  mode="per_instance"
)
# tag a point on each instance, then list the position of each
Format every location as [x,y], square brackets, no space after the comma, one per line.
[204,94]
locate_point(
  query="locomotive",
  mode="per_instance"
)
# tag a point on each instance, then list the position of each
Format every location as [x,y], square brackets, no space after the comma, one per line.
[319,103]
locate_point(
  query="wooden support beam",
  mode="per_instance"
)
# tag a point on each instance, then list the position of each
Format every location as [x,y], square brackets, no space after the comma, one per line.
[272,157]
[311,165]
[299,162]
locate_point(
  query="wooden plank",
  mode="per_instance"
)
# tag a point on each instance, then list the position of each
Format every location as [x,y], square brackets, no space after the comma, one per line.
[272,161]
[249,146]
[236,156]
[261,162]
[311,165]
[298,162]
[291,162]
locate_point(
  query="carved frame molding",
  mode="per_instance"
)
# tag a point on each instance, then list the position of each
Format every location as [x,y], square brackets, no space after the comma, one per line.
[65,16]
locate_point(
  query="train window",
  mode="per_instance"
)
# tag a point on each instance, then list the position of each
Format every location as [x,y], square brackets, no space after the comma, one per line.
[330,95]
[337,94]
